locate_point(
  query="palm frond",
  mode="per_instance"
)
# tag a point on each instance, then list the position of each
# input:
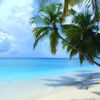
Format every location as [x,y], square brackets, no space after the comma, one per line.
[64,43]
[95,7]
[68,27]
[39,30]
[73,53]
[36,19]
[69,48]
[40,35]
[54,41]
[72,11]
[82,58]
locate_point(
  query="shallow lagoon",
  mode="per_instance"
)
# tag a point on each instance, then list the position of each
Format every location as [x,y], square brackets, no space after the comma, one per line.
[23,69]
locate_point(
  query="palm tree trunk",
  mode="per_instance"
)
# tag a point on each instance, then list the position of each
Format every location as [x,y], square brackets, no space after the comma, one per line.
[65,9]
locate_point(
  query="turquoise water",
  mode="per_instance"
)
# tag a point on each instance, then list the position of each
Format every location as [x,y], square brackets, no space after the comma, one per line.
[18,69]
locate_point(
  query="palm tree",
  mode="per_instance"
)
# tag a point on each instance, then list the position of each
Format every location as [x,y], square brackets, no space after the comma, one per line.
[50,24]
[83,35]
[48,18]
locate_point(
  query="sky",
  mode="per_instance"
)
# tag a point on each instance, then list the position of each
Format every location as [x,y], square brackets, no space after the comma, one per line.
[16,37]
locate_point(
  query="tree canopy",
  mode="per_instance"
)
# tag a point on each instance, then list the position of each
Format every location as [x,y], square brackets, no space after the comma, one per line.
[81,36]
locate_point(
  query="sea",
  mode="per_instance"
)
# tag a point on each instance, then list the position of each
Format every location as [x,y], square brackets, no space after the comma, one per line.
[29,68]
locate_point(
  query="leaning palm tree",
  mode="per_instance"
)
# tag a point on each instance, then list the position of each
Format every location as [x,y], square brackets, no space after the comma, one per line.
[83,35]
[50,24]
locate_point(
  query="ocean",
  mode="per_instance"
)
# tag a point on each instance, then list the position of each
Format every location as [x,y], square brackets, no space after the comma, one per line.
[23,69]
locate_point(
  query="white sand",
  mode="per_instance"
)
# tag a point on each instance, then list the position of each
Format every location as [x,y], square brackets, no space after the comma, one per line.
[51,88]
[20,90]
[71,94]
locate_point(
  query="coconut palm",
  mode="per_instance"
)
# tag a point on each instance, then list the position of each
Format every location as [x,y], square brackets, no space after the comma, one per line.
[83,35]
[78,35]
[48,19]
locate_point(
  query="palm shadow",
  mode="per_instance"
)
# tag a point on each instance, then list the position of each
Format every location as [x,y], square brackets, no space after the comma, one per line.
[62,81]
[82,81]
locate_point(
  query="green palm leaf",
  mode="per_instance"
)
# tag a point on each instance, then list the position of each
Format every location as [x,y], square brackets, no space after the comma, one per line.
[41,34]
[39,30]
[82,58]
[73,53]
[54,41]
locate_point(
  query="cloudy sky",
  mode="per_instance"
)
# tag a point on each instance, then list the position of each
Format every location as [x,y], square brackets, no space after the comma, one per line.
[16,38]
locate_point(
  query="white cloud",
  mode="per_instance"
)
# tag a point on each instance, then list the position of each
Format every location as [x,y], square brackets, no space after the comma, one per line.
[6,36]
[18,39]
[6,42]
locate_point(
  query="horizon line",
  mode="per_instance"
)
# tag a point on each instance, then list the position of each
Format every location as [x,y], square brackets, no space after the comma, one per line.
[35,58]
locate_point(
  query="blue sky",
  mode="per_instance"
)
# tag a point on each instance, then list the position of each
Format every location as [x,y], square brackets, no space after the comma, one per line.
[16,37]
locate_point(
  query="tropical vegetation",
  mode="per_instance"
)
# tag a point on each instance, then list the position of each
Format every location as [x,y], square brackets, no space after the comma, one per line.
[80,37]
[94,5]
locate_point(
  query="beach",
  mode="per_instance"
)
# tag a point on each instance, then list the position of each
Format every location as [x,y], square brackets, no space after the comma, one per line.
[50,50]
[79,86]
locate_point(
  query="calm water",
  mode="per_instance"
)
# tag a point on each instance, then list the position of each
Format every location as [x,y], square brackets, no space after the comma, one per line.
[18,69]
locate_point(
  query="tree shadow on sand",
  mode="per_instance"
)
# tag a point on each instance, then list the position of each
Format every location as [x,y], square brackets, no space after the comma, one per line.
[81,81]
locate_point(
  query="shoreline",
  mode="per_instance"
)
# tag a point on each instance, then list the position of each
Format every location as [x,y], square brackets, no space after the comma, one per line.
[56,74]
[53,87]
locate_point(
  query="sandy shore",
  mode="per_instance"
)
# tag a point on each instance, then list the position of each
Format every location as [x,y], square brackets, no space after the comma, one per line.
[63,87]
